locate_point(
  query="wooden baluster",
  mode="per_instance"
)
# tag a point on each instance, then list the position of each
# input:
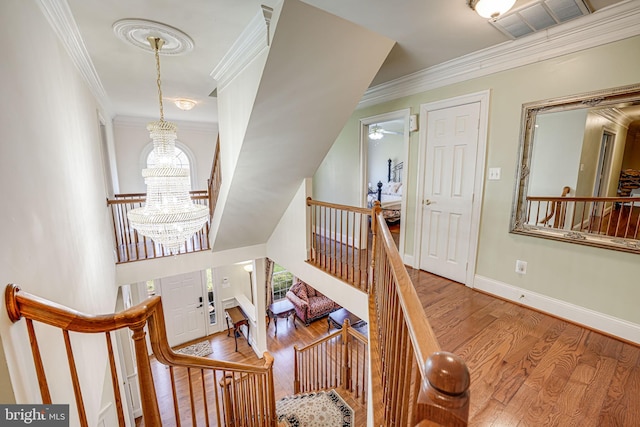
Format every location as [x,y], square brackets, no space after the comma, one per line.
[176,407]
[75,380]
[191,398]
[296,370]
[114,381]
[204,397]
[225,384]
[150,410]
[214,374]
[37,359]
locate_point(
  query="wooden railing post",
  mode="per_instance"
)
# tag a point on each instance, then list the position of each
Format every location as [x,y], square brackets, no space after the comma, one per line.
[375,210]
[444,397]
[150,410]
[296,374]
[346,368]
[225,384]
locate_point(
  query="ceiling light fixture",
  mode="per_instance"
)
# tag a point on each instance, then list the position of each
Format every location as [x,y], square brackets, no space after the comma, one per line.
[376,133]
[491,9]
[185,104]
[168,217]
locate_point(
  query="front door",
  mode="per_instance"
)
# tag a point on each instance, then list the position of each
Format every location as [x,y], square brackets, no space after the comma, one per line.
[184,305]
[447,199]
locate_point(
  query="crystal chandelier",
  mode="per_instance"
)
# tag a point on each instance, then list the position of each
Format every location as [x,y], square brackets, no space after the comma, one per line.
[169,217]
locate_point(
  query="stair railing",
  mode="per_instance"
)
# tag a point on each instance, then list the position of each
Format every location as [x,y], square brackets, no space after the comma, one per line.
[131,246]
[204,399]
[339,360]
[413,382]
[339,241]
[215,180]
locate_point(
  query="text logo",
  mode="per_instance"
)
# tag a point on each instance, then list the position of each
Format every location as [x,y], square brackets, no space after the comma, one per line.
[34,415]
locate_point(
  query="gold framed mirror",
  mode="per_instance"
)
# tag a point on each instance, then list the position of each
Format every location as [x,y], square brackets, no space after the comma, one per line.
[579,170]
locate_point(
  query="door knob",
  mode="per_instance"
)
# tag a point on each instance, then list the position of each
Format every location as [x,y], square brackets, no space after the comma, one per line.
[427,202]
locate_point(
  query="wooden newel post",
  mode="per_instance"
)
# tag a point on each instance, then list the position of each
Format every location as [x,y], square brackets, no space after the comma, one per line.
[444,396]
[227,403]
[346,367]
[375,210]
[296,374]
[150,411]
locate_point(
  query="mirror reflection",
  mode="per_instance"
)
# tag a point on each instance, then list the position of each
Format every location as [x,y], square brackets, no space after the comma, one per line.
[580,170]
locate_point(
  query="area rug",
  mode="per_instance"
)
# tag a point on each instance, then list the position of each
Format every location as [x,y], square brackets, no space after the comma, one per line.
[202,349]
[321,409]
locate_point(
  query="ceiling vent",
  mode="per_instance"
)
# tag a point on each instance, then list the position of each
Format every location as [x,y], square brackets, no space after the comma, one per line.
[538,16]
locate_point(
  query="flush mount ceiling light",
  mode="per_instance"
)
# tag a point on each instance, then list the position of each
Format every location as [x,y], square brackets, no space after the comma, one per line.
[185,104]
[491,9]
[376,133]
[169,217]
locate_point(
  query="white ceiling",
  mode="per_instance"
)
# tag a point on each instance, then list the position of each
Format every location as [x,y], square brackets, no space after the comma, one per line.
[427,33]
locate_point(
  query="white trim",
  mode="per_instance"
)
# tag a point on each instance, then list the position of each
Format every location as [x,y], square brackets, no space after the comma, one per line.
[612,24]
[583,316]
[364,148]
[253,39]
[64,25]
[478,185]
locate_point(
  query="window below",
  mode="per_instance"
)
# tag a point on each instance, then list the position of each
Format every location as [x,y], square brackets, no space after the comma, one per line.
[281,281]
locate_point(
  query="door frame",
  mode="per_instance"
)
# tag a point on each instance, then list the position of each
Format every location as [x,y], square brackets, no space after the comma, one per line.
[478,187]
[364,149]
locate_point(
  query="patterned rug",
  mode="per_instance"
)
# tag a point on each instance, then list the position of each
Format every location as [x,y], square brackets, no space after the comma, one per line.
[202,349]
[322,409]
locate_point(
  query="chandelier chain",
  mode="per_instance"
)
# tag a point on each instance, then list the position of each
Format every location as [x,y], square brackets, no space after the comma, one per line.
[156,48]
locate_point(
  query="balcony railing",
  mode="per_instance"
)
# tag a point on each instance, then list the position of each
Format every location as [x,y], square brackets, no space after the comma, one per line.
[131,246]
[605,216]
[412,381]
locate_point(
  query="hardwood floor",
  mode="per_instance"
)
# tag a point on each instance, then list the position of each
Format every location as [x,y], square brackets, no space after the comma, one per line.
[530,369]
[527,368]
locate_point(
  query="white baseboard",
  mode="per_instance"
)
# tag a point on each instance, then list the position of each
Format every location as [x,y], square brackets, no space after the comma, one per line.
[592,319]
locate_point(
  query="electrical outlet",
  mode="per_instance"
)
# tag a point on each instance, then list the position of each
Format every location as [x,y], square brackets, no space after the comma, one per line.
[521,267]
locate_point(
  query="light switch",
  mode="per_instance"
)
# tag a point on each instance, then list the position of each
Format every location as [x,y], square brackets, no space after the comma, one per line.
[494,174]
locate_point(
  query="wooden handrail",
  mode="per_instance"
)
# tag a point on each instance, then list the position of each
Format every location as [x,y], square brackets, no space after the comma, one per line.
[215,180]
[412,380]
[148,313]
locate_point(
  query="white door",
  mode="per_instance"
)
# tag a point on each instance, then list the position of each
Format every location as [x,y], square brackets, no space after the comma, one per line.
[447,199]
[184,305]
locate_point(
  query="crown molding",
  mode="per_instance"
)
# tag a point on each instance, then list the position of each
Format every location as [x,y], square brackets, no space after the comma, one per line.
[64,25]
[251,42]
[615,23]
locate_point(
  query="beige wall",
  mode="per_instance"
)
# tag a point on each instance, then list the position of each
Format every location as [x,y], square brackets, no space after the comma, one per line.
[55,225]
[597,279]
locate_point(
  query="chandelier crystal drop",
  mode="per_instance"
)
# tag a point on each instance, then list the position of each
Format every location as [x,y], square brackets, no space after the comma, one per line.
[169,217]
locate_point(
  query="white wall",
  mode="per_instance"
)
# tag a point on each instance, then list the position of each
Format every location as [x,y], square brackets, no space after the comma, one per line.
[131,138]
[56,229]
[600,280]
[380,151]
[287,246]
[557,146]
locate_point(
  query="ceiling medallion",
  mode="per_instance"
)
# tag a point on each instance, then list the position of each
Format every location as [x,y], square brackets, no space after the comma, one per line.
[137,32]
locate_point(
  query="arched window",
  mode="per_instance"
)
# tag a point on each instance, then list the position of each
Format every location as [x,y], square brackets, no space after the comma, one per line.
[181,157]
